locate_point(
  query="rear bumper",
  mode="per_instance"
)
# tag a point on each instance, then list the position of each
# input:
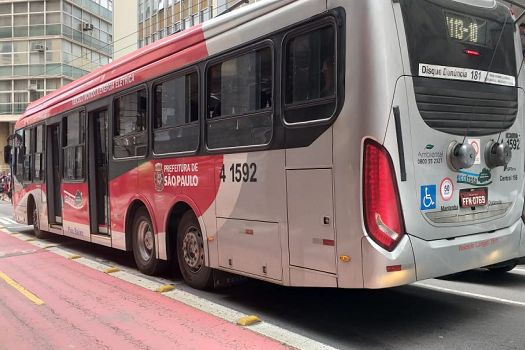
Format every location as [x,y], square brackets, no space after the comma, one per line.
[444,257]
[416,259]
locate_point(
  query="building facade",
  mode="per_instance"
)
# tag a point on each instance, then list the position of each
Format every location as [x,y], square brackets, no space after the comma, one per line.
[157,19]
[45,45]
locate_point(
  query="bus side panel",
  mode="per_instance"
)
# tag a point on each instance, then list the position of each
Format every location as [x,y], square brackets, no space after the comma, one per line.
[75,212]
[250,204]
[166,182]
[122,190]
[373,65]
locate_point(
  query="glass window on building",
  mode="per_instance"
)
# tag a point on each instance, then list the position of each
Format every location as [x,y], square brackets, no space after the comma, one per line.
[21,85]
[35,95]
[5,97]
[52,84]
[53,57]
[36,6]
[21,70]
[6,58]
[20,46]
[36,30]
[5,85]
[20,32]
[5,21]
[54,5]
[67,8]
[20,7]
[77,12]
[20,58]
[6,32]
[5,9]
[36,57]
[52,18]
[6,47]
[20,20]
[36,19]
[20,97]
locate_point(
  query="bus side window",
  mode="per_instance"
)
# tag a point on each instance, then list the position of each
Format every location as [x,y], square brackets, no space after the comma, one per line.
[73,149]
[19,155]
[28,154]
[310,75]
[177,115]
[130,115]
[38,174]
[240,100]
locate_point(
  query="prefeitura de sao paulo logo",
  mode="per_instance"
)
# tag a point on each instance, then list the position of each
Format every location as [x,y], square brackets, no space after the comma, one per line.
[159,177]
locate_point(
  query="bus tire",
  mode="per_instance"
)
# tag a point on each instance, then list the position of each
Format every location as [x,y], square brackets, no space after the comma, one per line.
[144,249]
[503,269]
[39,233]
[190,253]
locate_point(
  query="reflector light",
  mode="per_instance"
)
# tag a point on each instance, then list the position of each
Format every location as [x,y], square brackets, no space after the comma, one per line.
[329,242]
[393,268]
[382,208]
[471,52]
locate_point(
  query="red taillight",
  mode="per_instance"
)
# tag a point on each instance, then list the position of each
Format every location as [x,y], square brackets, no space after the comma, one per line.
[471,52]
[382,209]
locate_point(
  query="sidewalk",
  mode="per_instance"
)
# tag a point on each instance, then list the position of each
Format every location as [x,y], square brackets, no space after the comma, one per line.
[50,302]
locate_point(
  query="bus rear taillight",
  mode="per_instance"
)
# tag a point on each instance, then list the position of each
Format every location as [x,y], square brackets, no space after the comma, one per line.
[382,208]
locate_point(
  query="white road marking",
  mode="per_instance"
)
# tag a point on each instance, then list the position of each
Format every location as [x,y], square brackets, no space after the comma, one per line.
[7,221]
[468,294]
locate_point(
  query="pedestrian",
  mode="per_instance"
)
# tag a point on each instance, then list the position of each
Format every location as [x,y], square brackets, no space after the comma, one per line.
[3,191]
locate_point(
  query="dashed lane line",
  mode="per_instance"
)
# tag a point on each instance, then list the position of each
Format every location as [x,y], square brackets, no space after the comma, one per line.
[21,289]
[469,294]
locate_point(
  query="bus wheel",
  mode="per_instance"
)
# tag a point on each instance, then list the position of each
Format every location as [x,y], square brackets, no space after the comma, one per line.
[190,253]
[503,269]
[36,225]
[144,244]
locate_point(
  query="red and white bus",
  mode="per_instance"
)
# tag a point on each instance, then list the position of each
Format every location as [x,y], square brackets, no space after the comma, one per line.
[327,143]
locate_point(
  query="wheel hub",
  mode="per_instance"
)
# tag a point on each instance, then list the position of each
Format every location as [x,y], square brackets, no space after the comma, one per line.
[145,240]
[191,248]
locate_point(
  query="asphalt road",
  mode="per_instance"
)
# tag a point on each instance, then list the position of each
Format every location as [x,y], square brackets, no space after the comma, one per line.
[476,310]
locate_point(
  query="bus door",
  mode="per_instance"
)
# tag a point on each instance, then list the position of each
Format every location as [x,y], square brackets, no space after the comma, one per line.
[53,178]
[98,174]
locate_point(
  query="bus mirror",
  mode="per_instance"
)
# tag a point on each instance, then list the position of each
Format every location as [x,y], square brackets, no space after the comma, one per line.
[7,154]
[497,154]
[460,156]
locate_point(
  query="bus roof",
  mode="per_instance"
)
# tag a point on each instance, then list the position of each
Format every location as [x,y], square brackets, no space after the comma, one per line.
[150,54]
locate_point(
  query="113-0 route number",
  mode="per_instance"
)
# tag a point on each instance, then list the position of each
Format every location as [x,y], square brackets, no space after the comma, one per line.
[240,172]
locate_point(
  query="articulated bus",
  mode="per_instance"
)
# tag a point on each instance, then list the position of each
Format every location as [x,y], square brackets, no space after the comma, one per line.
[325,143]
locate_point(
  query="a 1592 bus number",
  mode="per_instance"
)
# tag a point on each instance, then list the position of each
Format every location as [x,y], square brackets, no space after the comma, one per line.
[240,172]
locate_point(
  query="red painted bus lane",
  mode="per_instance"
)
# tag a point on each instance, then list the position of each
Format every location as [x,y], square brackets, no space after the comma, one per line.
[87,309]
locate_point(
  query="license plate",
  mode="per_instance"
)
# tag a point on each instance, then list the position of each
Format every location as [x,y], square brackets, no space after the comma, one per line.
[473,198]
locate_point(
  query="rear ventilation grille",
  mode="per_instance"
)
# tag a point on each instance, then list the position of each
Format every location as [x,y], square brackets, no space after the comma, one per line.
[450,106]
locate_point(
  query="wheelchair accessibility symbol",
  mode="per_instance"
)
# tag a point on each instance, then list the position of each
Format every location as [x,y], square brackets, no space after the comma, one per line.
[428,197]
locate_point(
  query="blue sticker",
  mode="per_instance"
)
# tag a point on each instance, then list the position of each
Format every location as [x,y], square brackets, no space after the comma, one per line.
[428,197]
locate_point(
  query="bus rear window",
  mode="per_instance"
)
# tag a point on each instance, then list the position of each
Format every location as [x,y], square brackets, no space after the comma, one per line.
[439,32]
